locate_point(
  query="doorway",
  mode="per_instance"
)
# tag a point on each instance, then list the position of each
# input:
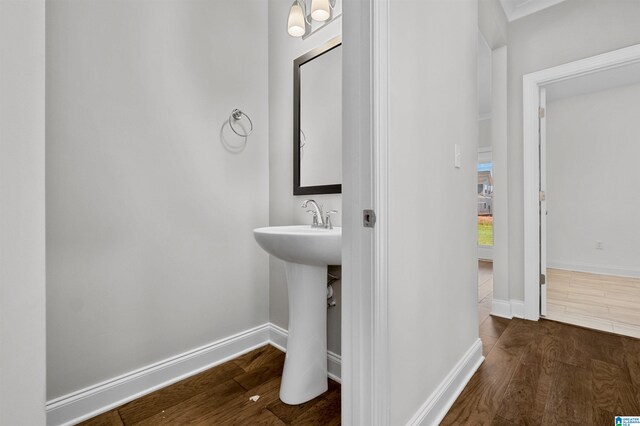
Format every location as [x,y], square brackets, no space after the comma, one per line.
[592,237]
[581,237]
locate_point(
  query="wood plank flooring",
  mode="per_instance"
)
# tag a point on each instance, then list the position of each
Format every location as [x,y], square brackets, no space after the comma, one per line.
[485,289]
[602,302]
[547,373]
[535,374]
[220,396]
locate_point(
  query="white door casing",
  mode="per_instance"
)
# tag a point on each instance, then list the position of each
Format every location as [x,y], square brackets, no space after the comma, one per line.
[542,128]
[365,361]
[532,83]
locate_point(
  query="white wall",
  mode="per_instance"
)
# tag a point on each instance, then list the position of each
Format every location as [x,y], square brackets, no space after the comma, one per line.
[22,213]
[284,208]
[484,78]
[571,30]
[501,183]
[492,23]
[592,181]
[149,214]
[493,26]
[484,133]
[432,219]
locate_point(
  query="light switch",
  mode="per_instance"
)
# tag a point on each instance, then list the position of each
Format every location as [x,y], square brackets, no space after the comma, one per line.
[457,162]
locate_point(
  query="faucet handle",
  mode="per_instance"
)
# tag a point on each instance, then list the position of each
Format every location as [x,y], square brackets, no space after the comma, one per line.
[315,217]
[327,222]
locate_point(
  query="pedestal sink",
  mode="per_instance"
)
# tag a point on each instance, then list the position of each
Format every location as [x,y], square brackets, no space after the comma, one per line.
[306,252]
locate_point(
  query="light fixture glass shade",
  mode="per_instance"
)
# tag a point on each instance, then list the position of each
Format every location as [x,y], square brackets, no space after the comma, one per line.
[320,10]
[296,24]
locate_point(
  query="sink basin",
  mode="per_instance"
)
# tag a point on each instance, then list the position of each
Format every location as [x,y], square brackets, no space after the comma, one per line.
[302,244]
[306,253]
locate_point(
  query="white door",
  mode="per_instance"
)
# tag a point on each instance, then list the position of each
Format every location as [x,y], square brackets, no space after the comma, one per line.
[543,201]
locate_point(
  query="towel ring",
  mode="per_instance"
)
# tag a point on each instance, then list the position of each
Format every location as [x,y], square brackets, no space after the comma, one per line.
[303,137]
[236,115]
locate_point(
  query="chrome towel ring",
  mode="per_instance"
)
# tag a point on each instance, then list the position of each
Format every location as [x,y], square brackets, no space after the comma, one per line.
[236,115]
[303,139]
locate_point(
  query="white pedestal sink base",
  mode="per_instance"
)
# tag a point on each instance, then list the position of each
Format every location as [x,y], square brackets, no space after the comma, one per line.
[305,367]
[306,252]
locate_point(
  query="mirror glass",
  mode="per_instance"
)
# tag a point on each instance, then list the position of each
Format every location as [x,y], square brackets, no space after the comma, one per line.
[318,121]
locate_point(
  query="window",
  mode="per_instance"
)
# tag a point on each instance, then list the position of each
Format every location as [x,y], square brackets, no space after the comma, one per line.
[485,203]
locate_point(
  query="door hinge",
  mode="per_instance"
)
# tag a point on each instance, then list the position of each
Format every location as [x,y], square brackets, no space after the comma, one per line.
[540,112]
[543,196]
[368,218]
[543,279]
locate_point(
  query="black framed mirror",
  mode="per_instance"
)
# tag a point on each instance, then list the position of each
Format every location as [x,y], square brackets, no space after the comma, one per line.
[317,120]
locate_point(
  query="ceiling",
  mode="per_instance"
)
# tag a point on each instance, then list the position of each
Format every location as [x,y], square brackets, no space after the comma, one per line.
[516,9]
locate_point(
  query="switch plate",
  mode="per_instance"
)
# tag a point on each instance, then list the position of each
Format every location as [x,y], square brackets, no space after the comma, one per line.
[457,162]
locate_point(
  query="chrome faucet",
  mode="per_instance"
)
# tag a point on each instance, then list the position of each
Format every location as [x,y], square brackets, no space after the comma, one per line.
[319,221]
[317,213]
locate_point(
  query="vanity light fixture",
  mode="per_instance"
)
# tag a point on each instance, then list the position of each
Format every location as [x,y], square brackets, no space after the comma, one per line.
[299,21]
[321,9]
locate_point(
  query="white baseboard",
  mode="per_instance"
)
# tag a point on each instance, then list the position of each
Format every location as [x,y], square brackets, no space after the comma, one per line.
[507,308]
[278,337]
[440,401]
[517,308]
[594,269]
[94,400]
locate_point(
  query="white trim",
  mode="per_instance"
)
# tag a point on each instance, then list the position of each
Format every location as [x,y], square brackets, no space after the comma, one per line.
[334,365]
[485,116]
[517,308]
[380,132]
[440,401]
[485,253]
[516,9]
[278,337]
[365,367]
[93,400]
[531,101]
[542,137]
[501,308]
[507,308]
[595,269]
[99,398]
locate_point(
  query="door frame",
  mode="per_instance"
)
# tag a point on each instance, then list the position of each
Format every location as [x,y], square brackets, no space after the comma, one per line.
[532,84]
[365,341]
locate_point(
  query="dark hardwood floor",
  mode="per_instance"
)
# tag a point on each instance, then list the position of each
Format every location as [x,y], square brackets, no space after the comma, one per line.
[535,373]
[220,396]
[548,373]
